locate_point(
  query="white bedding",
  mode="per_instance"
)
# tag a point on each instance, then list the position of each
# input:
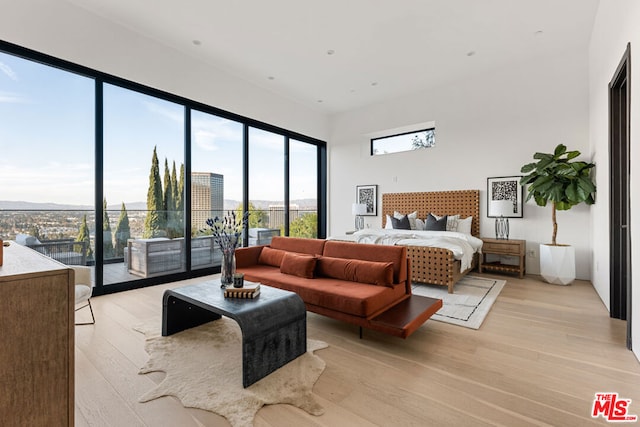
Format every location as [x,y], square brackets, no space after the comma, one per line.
[462,245]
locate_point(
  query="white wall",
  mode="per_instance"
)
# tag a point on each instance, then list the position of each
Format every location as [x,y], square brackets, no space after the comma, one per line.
[68,32]
[486,126]
[616,25]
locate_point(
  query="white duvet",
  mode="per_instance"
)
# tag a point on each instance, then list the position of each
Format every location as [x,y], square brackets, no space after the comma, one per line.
[462,245]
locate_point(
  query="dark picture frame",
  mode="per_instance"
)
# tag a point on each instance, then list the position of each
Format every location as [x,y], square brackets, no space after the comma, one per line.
[504,188]
[368,195]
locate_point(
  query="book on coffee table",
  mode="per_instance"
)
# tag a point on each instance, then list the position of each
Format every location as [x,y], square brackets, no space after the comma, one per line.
[232,293]
[249,290]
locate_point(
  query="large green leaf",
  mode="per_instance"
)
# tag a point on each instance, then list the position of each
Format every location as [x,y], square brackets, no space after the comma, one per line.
[559,151]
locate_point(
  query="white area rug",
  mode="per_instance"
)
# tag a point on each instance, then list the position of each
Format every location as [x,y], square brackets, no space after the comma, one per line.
[470,303]
[204,370]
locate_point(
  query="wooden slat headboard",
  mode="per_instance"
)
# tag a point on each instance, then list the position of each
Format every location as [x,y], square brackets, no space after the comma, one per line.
[463,202]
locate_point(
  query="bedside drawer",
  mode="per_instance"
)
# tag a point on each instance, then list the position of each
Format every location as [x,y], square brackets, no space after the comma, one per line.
[502,248]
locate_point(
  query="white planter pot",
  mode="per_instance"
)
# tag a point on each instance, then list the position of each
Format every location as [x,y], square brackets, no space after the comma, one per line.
[558,264]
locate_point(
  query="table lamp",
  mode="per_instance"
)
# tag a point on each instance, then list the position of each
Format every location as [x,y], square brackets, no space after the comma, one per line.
[359,209]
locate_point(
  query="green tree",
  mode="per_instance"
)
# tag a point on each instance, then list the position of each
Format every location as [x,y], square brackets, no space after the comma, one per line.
[168,205]
[107,236]
[424,139]
[153,222]
[304,226]
[123,231]
[257,217]
[34,231]
[84,236]
[174,215]
[558,179]
[180,201]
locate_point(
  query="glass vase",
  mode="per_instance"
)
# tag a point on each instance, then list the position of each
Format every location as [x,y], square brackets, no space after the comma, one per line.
[228,267]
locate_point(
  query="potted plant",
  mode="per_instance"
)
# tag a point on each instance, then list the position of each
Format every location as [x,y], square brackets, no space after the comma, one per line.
[558,179]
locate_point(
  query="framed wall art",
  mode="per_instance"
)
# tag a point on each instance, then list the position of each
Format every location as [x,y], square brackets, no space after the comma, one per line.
[504,197]
[368,195]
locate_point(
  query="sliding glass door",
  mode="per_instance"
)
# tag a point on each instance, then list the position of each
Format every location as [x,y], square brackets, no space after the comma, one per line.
[143,219]
[216,180]
[120,177]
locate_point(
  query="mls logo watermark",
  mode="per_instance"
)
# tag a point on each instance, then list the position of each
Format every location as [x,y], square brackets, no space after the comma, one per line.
[612,408]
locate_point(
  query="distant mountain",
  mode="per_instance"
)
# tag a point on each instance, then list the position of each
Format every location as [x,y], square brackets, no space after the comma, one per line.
[139,206]
[31,206]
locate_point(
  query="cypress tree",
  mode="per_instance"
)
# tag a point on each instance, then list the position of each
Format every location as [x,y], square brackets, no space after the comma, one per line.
[123,232]
[174,214]
[180,201]
[153,222]
[84,236]
[167,201]
[107,236]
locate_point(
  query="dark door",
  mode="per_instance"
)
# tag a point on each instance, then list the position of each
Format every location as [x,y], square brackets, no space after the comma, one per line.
[619,147]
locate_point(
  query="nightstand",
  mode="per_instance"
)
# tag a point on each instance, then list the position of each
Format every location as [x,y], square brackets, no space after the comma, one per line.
[511,247]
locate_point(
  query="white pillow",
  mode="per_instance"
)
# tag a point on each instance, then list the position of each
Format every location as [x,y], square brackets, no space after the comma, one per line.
[420,224]
[388,225]
[464,225]
[412,218]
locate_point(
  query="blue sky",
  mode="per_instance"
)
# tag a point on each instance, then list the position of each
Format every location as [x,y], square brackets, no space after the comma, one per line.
[47,137]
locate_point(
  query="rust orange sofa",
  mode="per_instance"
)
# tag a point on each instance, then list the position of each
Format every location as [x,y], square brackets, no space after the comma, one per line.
[352,282]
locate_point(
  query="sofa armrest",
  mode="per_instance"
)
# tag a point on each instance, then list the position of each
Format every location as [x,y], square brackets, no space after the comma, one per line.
[246,257]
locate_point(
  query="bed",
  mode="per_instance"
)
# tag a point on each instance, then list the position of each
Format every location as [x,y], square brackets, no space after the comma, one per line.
[429,264]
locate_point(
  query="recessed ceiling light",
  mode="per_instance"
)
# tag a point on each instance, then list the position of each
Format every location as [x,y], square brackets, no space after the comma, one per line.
[320,101]
[197,42]
[352,90]
[271,78]
[331,52]
[374,83]
[471,53]
[538,33]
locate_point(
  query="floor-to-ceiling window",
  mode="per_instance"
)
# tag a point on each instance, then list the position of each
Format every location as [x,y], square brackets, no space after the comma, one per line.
[216,180]
[143,139]
[266,185]
[303,189]
[47,159]
[84,150]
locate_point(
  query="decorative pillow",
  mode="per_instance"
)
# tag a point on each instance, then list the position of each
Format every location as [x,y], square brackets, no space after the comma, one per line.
[388,225]
[412,218]
[419,224]
[270,256]
[464,225]
[401,224]
[433,224]
[298,265]
[356,270]
[452,221]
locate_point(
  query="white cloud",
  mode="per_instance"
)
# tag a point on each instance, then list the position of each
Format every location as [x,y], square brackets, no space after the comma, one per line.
[175,113]
[12,98]
[8,71]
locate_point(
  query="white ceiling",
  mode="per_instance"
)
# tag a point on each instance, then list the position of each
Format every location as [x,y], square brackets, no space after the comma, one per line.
[382,48]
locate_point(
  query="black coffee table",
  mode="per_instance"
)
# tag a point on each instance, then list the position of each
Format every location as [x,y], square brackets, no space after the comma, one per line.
[274,324]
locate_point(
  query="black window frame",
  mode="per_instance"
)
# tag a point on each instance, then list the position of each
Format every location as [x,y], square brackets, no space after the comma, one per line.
[189,105]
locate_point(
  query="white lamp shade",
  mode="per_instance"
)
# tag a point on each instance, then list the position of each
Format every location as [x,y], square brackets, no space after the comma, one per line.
[501,208]
[358,209]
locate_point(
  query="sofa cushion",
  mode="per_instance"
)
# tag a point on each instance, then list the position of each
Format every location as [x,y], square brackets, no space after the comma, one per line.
[270,256]
[298,265]
[368,252]
[356,270]
[297,244]
[356,299]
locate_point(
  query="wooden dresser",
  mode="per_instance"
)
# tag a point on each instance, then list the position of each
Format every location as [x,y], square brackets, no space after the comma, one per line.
[37,297]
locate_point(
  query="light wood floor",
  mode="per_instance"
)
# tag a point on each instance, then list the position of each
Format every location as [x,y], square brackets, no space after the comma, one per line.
[538,359]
